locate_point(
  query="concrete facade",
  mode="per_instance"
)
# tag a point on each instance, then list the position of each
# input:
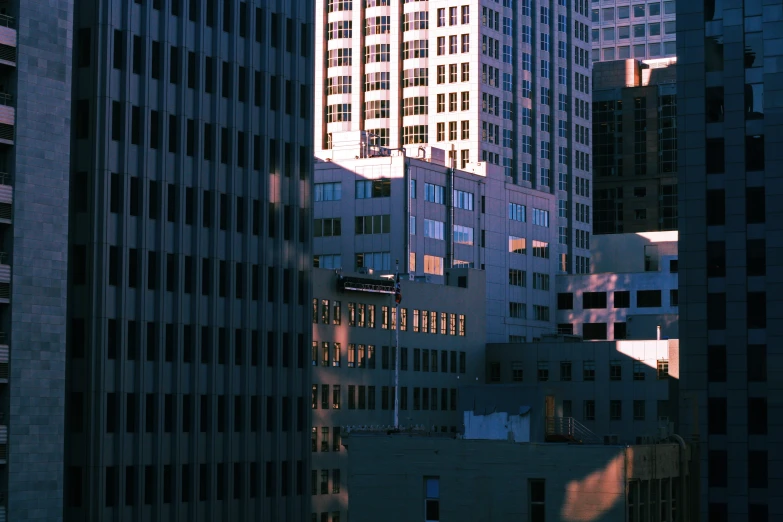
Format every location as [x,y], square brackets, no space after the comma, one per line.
[633,289]
[619,390]
[190,238]
[486,81]
[496,481]
[36,49]
[356,387]
[731,262]
[634,146]
[639,30]
[435,218]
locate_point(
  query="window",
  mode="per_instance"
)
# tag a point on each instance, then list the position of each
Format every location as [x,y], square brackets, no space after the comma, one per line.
[638,410]
[592,300]
[433,265]
[715,155]
[638,371]
[615,410]
[589,411]
[540,249]
[516,277]
[594,331]
[716,363]
[757,310]
[663,369]
[754,153]
[543,371]
[380,188]
[516,371]
[516,212]
[517,310]
[757,416]
[648,298]
[588,370]
[433,193]
[537,509]
[432,499]
[717,464]
[757,362]
[755,205]
[615,371]
[716,415]
[565,370]
[758,463]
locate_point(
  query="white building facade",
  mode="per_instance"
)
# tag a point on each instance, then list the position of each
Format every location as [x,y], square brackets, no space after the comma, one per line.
[639,29]
[498,82]
[632,292]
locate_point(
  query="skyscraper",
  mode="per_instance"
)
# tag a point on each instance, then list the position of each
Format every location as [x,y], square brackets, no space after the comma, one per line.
[730,262]
[35,104]
[642,29]
[505,83]
[189,250]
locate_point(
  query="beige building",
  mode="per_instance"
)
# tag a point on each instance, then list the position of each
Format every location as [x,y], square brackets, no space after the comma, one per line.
[616,391]
[441,341]
[409,477]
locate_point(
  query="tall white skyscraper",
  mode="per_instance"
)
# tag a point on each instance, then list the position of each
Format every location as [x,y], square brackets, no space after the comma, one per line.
[505,82]
[640,29]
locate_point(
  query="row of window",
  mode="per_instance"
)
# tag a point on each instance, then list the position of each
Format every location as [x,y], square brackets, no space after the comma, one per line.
[214,412]
[518,245]
[322,487]
[757,474]
[639,372]
[214,205]
[519,310]
[718,416]
[146,341]
[363,356]
[230,481]
[652,49]
[361,397]
[622,299]
[607,14]
[464,19]
[229,17]
[183,272]
[227,145]
[362,315]
[616,408]
[755,309]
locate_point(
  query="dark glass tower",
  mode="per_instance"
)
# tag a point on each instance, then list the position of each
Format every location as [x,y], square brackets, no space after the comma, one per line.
[191,153]
[731,262]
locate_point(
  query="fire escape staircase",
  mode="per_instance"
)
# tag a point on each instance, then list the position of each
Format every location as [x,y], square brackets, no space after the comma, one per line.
[570,430]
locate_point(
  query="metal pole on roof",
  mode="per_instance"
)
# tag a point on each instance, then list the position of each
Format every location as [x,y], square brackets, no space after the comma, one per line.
[397,348]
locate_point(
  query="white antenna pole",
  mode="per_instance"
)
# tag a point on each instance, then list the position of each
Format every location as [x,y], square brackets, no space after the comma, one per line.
[397,350]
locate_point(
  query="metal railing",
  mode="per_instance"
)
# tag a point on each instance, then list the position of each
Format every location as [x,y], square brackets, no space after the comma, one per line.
[6,99]
[7,53]
[571,429]
[5,178]
[7,21]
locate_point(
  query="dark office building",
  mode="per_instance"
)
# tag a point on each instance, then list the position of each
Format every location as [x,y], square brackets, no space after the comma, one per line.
[731,253]
[35,119]
[189,237]
[634,146]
